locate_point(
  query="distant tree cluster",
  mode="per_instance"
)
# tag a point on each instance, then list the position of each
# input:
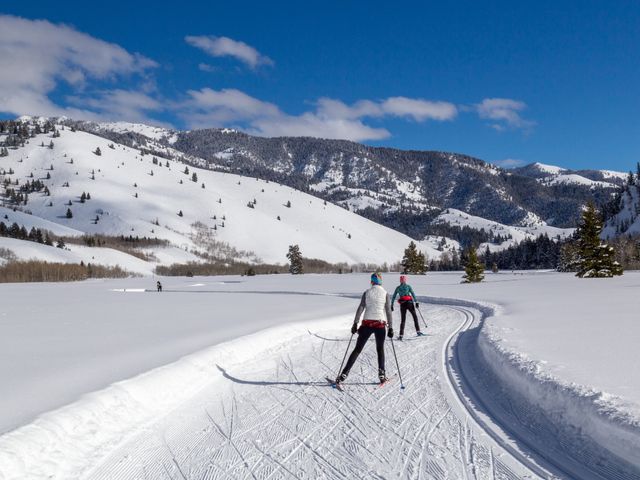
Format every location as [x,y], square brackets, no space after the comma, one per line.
[39,271]
[529,254]
[465,235]
[20,232]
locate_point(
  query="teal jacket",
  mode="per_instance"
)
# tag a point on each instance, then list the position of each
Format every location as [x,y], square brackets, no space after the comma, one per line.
[404,292]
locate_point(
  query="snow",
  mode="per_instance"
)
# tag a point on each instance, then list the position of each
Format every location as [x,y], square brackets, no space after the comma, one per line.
[321,231]
[8,216]
[534,228]
[614,174]
[71,253]
[552,169]
[627,217]
[547,339]
[577,179]
[112,336]
[155,133]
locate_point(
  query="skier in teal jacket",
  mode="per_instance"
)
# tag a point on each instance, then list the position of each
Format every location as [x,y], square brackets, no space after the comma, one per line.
[406,299]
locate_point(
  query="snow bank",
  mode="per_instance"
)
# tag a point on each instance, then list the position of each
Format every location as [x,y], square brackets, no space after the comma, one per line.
[577,409]
[66,443]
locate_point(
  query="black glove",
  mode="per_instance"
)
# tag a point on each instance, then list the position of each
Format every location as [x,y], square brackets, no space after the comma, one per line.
[417,305]
[354,328]
[390,332]
[392,308]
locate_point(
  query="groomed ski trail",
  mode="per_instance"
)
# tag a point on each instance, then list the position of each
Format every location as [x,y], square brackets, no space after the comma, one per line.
[278,417]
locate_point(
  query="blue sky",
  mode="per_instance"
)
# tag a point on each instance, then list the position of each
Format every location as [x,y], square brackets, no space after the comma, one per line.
[512,82]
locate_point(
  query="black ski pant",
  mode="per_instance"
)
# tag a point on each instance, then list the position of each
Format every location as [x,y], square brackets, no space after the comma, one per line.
[404,306]
[363,335]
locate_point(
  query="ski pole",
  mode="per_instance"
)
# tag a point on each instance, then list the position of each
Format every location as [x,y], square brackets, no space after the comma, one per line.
[345,355]
[423,320]
[393,347]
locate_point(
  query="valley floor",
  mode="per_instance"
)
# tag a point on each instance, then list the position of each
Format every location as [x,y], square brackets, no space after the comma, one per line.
[516,379]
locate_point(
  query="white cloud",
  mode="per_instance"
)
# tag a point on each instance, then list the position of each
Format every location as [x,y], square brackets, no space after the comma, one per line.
[310,124]
[416,108]
[509,163]
[36,56]
[419,109]
[331,119]
[121,104]
[505,113]
[227,47]
[231,107]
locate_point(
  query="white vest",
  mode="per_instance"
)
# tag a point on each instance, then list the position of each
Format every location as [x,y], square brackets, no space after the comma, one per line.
[375,300]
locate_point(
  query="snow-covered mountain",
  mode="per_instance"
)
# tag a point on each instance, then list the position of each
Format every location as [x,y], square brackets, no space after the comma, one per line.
[623,212]
[554,175]
[122,191]
[401,189]
[506,235]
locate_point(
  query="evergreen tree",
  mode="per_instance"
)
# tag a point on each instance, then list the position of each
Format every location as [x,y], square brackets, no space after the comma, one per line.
[474,269]
[414,261]
[194,177]
[295,260]
[596,259]
[97,151]
[69,214]
[568,261]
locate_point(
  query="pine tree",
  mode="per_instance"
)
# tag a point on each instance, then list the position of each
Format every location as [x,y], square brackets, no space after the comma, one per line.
[596,259]
[568,261]
[97,151]
[474,269]
[194,177]
[295,260]
[414,261]
[69,214]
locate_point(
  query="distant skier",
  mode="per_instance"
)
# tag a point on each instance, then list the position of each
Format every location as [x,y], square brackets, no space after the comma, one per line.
[406,299]
[159,286]
[377,315]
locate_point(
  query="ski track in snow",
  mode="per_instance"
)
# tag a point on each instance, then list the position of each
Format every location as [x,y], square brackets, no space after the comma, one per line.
[278,418]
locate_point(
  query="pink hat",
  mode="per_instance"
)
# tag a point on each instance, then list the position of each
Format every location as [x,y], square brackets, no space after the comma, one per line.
[403,279]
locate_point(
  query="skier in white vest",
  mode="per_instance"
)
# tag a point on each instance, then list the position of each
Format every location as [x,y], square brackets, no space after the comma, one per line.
[377,315]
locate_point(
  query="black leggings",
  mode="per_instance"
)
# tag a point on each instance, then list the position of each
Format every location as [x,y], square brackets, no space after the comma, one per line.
[363,335]
[404,306]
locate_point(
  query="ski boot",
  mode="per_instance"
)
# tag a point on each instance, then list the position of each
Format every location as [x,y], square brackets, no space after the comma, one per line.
[400,337]
[341,378]
[382,376]
[420,334]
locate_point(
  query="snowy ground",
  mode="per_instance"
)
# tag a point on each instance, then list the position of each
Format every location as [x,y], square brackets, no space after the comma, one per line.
[535,392]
